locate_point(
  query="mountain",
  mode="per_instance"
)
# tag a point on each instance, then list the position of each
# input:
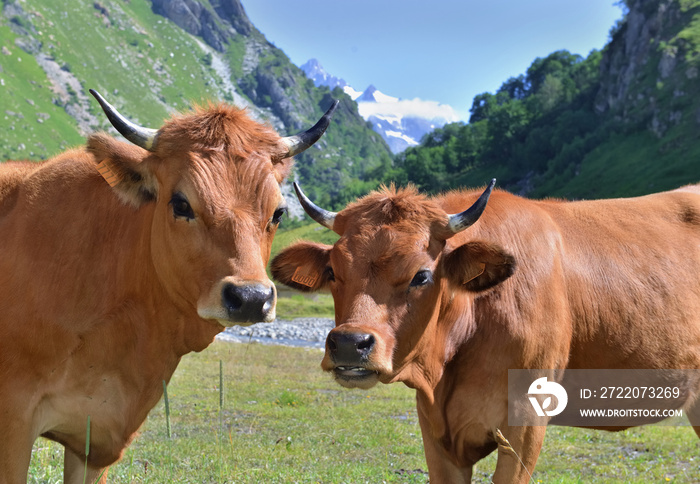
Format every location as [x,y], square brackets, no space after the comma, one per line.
[314,70]
[622,121]
[402,123]
[152,58]
[372,95]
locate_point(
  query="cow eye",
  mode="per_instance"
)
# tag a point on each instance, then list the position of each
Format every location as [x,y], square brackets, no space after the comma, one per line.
[181,207]
[330,275]
[277,216]
[421,278]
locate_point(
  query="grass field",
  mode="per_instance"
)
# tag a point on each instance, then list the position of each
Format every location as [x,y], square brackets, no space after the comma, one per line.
[311,231]
[297,305]
[284,421]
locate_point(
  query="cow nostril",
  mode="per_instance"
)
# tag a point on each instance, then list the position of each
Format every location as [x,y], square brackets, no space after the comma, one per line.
[332,346]
[231,297]
[366,342]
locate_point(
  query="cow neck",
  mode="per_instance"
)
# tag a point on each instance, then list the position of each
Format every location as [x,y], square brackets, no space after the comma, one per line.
[438,358]
[481,351]
[433,399]
[451,327]
[427,359]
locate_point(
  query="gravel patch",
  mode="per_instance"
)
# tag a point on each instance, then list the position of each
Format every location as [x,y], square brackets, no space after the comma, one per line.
[305,332]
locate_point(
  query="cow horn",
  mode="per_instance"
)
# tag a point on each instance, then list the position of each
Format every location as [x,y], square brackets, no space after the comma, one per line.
[140,136]
[302,141]
[323,217]
[461,221]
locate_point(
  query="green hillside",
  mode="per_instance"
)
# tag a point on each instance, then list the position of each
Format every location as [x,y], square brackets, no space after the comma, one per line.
[33,126]
[123,54]
[148,66]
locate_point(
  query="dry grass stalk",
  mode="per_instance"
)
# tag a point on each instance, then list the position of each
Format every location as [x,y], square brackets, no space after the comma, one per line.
[503,443]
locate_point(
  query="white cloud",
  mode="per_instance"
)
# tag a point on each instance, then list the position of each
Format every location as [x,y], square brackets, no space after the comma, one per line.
[409,108]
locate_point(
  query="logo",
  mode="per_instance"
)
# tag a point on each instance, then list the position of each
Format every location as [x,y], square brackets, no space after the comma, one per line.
[543,387]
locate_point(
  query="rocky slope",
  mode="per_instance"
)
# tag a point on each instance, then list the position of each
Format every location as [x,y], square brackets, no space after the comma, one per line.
[652,59]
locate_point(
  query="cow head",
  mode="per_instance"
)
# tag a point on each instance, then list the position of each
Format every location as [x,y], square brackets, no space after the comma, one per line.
[398,282]
[212,181]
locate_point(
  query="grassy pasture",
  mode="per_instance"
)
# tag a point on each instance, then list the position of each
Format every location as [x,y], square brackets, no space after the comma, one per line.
[284,421]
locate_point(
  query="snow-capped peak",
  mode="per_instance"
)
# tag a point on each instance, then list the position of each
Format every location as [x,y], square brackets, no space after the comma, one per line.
[315,71]
[401,122]
[352,93]
[373,95]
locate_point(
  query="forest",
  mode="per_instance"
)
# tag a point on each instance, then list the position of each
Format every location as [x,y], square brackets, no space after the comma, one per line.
[622,121]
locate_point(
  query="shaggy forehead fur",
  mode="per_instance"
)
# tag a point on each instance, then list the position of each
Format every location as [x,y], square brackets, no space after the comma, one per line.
[403,208]
[386,230]
[219,127]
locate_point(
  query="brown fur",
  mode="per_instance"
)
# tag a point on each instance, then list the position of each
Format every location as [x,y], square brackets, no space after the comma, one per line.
[533,284]
[101,289]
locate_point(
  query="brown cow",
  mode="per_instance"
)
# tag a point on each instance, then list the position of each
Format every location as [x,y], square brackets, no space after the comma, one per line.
[104,288]
[448,303]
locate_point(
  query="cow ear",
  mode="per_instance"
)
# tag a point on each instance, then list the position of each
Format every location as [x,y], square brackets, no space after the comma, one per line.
[304,266]
[123,168]
[478,266]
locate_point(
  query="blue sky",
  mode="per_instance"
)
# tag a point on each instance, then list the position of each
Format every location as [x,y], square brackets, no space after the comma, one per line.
[441,50]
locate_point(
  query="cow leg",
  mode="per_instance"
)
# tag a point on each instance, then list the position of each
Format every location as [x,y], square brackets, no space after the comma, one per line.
[74,470]
[441,469]
[517,463]
[16,454]
[14,464]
